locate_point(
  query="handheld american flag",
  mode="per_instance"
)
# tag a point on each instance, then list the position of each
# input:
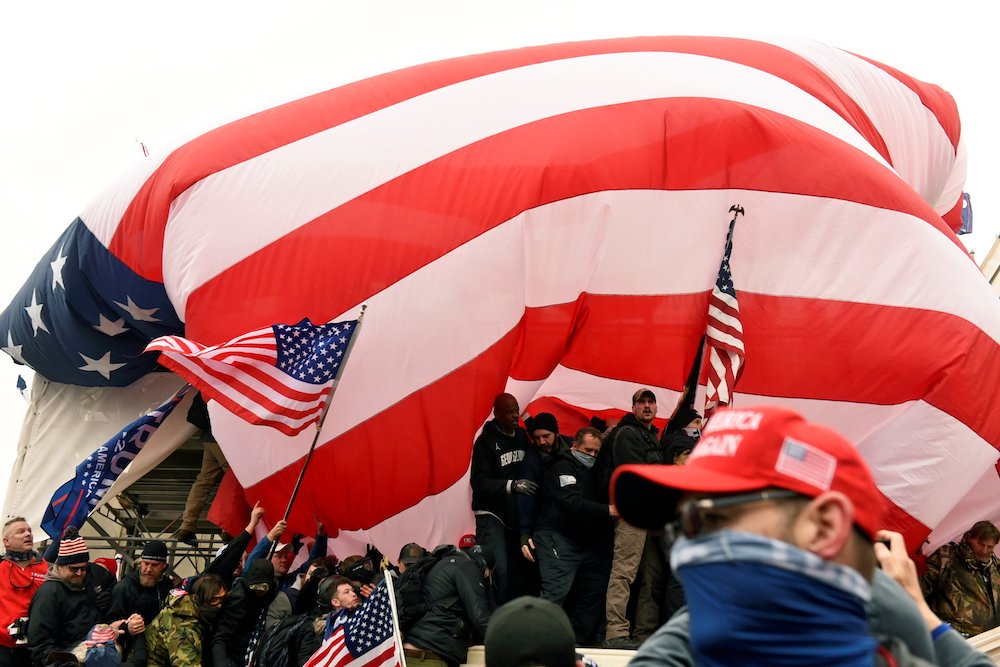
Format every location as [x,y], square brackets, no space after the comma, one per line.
[365,637]
[277,376]
[724,334]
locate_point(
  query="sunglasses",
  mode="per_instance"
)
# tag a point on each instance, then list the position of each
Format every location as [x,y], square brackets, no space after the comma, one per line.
[260,587]
[691,518]
[216,600]
[76,569]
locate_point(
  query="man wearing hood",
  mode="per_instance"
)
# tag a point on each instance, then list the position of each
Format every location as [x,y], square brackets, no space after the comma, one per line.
[177,636]
[497,477]
[572,529]
[244,614]
[142,591]
[21,574]
[681,435]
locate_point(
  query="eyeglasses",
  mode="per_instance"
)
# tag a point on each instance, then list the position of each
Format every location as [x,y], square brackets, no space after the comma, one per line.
[692,519]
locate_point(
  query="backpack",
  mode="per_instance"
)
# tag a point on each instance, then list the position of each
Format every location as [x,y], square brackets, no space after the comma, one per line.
[275,647]
[409,589]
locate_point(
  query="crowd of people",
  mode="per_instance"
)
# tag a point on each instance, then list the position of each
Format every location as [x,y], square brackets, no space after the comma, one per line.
[756,542]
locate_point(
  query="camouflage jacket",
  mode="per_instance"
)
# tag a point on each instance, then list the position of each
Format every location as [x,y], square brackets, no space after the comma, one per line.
[174,638]
[955,586]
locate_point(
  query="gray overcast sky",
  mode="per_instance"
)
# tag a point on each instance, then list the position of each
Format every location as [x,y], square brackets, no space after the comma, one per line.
[84,82]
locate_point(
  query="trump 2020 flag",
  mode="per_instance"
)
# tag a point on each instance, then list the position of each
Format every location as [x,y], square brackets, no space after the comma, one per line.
[366,637]
[277,376]
[73,501]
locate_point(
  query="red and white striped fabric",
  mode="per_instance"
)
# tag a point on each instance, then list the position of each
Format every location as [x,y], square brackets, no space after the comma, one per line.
[547,221]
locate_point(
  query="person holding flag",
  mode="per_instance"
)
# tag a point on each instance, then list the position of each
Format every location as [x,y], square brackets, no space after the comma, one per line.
[364,636]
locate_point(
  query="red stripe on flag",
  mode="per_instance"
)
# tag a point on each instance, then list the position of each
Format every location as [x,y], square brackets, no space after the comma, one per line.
[709,144]
[138,240]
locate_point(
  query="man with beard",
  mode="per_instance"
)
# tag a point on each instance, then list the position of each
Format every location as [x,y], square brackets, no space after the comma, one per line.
[21,574]
[178,634]
[497,478]
[544,431]
[635,552]
[143,592]
[962,581]
[64,609]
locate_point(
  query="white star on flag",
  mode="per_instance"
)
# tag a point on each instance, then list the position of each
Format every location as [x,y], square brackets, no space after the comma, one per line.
[102,365]
[35,313]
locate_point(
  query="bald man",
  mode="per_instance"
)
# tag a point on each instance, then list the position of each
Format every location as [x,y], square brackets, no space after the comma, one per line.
[497,476]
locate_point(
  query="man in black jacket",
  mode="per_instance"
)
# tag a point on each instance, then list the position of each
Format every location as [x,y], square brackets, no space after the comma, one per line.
[142,591]
[497,475]
[635,552]
[63,609]
[571,529]
[244,612]
[458,606]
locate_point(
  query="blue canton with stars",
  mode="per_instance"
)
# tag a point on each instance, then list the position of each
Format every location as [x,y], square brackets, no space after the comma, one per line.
[724,282]
[313,353]
[83,317]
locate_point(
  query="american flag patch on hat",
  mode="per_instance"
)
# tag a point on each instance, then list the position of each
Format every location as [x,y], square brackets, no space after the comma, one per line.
[806,464]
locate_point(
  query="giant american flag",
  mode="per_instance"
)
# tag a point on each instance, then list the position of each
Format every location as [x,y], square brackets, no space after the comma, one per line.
[362,637]
[546,221]
[724,335]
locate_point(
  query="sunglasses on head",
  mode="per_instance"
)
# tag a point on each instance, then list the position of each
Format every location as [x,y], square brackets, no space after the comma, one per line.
[690,521]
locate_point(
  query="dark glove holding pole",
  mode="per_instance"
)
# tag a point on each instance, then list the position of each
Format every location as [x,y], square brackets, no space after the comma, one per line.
[525,486]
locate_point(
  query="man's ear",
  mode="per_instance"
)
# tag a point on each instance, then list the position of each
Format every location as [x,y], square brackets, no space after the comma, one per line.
[824,526]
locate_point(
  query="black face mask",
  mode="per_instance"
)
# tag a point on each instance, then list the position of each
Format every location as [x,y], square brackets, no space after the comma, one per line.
[208,614]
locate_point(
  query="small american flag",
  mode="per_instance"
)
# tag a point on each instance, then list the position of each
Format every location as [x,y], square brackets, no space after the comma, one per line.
[806,463]
[365,637]
[277,376]
[724,334]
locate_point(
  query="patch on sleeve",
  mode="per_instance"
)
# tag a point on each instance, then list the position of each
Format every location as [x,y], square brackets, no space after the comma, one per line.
[566,480]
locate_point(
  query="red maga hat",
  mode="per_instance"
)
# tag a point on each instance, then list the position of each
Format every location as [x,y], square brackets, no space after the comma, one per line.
[748,450]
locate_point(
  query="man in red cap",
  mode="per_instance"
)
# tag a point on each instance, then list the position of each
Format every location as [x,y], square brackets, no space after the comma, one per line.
[775,519]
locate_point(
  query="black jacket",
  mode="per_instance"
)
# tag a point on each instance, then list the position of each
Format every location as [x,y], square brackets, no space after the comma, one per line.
[242,610]
[497,459]
[129,597]
[458,606]
[569,502]
[59,617]
[634,443]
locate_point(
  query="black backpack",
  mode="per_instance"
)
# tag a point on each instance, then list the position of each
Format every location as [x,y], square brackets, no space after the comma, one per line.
[275,647]
[409,589]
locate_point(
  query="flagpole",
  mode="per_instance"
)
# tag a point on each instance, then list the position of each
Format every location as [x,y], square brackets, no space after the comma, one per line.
[319,424]
[396,635]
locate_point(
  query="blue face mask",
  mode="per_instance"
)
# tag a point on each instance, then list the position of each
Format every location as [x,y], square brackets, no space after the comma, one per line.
[585,459]
[756,601]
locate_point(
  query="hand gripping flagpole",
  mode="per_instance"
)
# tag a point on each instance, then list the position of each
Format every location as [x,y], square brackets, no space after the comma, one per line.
[319,424]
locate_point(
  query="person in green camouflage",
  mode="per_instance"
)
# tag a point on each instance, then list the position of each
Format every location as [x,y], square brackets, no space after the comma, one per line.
[962,581]
[174,638]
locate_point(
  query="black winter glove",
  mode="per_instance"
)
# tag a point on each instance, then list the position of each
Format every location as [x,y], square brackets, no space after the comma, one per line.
[525,486]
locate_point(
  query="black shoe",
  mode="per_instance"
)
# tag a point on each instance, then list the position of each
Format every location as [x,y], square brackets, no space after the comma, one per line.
[187,537]
[622,643]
